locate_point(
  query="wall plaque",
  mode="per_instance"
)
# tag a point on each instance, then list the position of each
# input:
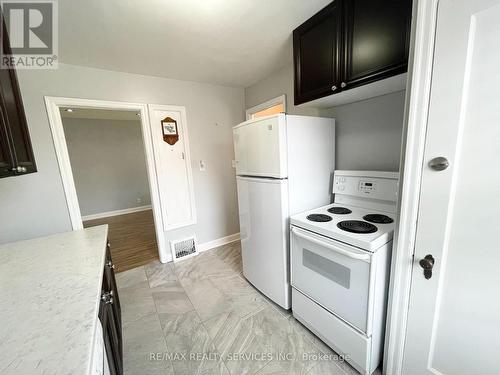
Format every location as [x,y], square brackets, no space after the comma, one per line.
[169,129]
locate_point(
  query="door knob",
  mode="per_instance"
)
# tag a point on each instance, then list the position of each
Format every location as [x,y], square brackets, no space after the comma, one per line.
[334,88]
[427,264]
[439,164]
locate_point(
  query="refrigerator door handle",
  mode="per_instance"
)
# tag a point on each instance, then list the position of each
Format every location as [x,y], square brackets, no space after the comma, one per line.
[261,179]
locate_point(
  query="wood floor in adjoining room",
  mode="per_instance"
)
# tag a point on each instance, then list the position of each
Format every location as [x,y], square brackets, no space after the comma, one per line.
[132,238]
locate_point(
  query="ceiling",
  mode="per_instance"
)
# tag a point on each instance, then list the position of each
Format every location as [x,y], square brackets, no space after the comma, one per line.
[99,114]
[228,42]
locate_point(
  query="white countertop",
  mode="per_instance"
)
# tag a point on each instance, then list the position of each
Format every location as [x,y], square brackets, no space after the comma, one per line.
[49,302]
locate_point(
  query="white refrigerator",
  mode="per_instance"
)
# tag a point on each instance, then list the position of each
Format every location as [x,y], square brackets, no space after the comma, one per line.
[284,165]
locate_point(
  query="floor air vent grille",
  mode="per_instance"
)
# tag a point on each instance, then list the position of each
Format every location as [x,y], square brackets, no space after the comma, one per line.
[182,249]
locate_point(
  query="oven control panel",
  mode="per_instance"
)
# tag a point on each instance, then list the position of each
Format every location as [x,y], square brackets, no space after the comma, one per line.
[367,187]
[381,186]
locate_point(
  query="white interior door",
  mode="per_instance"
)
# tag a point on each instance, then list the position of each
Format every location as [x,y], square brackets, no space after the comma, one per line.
[454,316]
[173,166]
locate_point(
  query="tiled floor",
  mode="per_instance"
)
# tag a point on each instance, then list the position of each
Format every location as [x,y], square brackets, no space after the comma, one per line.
[200,316]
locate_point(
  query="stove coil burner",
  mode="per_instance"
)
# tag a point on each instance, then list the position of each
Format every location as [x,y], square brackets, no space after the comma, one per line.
[339,210]
[319,218]
[378,218]
[357,226]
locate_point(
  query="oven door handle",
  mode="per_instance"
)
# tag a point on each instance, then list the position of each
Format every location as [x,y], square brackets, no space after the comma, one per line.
[350,254]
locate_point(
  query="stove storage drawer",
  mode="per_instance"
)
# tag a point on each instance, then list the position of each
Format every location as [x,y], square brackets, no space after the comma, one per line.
[345,340]
[333,274]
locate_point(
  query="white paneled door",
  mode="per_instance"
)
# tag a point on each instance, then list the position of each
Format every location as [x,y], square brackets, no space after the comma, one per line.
[173,168]
[454,313]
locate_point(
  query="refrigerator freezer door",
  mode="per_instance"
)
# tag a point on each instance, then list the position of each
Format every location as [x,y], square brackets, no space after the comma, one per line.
[263,207]
[260,147]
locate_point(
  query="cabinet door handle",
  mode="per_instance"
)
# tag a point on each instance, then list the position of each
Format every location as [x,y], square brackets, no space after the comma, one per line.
[107,298]
[19,169]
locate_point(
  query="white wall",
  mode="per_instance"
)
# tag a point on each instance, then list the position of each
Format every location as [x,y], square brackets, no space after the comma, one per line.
[108,164]
[278,83]
[368,133]
[34,205]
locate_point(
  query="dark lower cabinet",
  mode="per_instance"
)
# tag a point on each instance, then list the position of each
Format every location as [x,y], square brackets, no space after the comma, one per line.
[16,154]
[350,43]
[110,317]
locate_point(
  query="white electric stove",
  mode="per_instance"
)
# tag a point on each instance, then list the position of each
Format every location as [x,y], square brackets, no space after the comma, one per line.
[371,241]
[340,261]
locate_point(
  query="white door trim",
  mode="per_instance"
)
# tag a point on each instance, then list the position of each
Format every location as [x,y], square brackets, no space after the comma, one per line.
[52,105]
[187,152]
[412,158]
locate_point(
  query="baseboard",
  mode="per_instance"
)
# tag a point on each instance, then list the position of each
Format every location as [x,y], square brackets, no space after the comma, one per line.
[218,242]
[101,215]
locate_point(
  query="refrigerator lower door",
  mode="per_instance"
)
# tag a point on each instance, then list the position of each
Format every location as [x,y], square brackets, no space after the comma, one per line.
[263,206]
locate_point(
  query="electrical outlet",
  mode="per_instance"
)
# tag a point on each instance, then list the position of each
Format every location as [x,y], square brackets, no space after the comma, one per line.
[139,200]
[202,166]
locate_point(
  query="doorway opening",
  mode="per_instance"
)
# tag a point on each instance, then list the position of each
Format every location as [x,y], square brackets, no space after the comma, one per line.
[105,156]
[109,170]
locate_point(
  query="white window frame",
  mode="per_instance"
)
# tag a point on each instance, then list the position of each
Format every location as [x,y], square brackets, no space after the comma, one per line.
[270,103]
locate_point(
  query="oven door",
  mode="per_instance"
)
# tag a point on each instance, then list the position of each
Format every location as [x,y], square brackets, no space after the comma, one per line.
[333,274]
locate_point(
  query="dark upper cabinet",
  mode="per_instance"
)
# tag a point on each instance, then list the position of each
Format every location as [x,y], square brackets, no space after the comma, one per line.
[16,154]
[350,43]
[316,48]
[376,40]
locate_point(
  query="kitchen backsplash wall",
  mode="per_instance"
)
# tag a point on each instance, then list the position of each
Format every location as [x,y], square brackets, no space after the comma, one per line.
[368,133]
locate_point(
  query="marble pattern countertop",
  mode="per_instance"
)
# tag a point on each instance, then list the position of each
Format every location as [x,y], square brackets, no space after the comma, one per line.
[49,302]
